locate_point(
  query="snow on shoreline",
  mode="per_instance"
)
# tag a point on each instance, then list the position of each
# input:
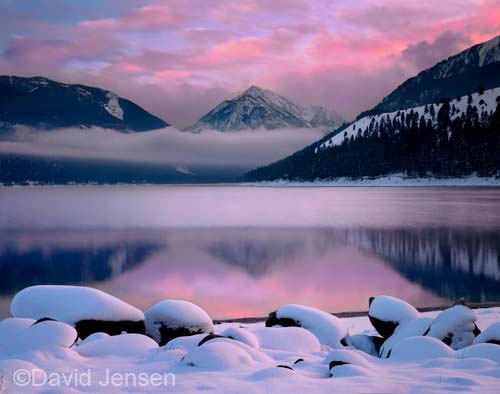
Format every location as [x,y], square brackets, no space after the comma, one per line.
[396,180]
[264,359]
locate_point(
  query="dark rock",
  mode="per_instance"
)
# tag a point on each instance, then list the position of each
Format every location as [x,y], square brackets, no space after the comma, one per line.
[273,320]
[384,328]
[43,319]
[87,327]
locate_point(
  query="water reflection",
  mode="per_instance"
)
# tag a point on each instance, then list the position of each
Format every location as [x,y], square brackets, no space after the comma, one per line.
[452,263]
[250,271]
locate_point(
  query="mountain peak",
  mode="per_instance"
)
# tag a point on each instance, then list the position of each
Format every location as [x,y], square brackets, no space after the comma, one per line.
[254,90]
[261,108]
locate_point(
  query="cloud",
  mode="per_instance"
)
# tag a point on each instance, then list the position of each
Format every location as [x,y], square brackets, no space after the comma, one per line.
[186,151]
[425,54]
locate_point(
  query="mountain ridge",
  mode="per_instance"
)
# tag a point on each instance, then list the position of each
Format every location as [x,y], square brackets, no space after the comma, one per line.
[40,102]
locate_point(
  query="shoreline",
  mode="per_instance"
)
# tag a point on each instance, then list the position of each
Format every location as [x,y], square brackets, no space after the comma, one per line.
[394,180]
[472,305]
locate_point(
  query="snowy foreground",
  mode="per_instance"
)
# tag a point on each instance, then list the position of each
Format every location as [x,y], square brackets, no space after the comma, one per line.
[387,181]
[395,349]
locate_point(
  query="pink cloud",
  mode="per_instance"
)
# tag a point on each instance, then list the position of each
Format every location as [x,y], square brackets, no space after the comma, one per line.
[151,17]
[193,53]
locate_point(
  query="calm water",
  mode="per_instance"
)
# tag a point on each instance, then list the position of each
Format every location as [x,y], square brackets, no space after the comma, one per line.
[243,251]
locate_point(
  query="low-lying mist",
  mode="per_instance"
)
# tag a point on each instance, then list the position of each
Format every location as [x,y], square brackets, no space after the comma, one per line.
[243,150]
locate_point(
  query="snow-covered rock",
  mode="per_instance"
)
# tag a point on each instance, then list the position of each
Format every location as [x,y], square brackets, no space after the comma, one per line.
[490,335]
[88,310]
[46,335]
[169,319]
[11,327]
[94,337]
[242,335]
[455,326]
[218,356]
[292,339]
[386,313]
[486,351]
[125,345]
[410,328]
[419,348]
[365,343]
[186,343]
[327,328]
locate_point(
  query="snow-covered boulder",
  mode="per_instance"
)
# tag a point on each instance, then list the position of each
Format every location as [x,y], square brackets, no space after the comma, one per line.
[186,343]
[490,335]
[125,345]
[242,335]
[344,362]
[218,356]
[170,319]
[420,348]
[410,328]
[327,328]
[486,351]
[455,326]
[386,313]
[88,310]
[46,335]
[365,343]
[255,354]
[291,339]
[11,327]
[94,337]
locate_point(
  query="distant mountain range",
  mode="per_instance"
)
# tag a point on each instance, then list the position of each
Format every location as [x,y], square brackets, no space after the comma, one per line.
[443,122]
[42,103]
[260,108]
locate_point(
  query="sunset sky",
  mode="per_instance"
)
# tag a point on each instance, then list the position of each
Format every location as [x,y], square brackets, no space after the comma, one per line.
[178,58]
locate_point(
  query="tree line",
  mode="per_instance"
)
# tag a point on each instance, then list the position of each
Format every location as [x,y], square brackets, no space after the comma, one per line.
[442,142]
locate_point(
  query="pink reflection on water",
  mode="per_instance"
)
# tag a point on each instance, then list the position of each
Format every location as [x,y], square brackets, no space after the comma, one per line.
[333,278]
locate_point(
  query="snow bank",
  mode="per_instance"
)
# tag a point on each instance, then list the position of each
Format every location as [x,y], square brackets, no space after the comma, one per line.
[454,326]
[71,304]
[126,345]
[387,312]
[173,318]
[327,328]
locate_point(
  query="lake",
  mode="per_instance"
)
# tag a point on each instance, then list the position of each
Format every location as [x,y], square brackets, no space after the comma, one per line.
[241,251]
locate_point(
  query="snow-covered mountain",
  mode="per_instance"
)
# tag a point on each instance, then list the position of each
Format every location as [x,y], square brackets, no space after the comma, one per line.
[466,72]
[260,108]
[41,102]
[486,102]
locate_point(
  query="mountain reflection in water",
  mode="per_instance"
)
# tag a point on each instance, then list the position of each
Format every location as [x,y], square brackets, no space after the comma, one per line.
[241,272]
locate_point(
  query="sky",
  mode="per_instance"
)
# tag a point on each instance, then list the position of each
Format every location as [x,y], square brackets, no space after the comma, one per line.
[179,58]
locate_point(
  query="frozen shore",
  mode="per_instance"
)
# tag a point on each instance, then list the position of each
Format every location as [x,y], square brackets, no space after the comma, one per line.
[395,348]
[387,181]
